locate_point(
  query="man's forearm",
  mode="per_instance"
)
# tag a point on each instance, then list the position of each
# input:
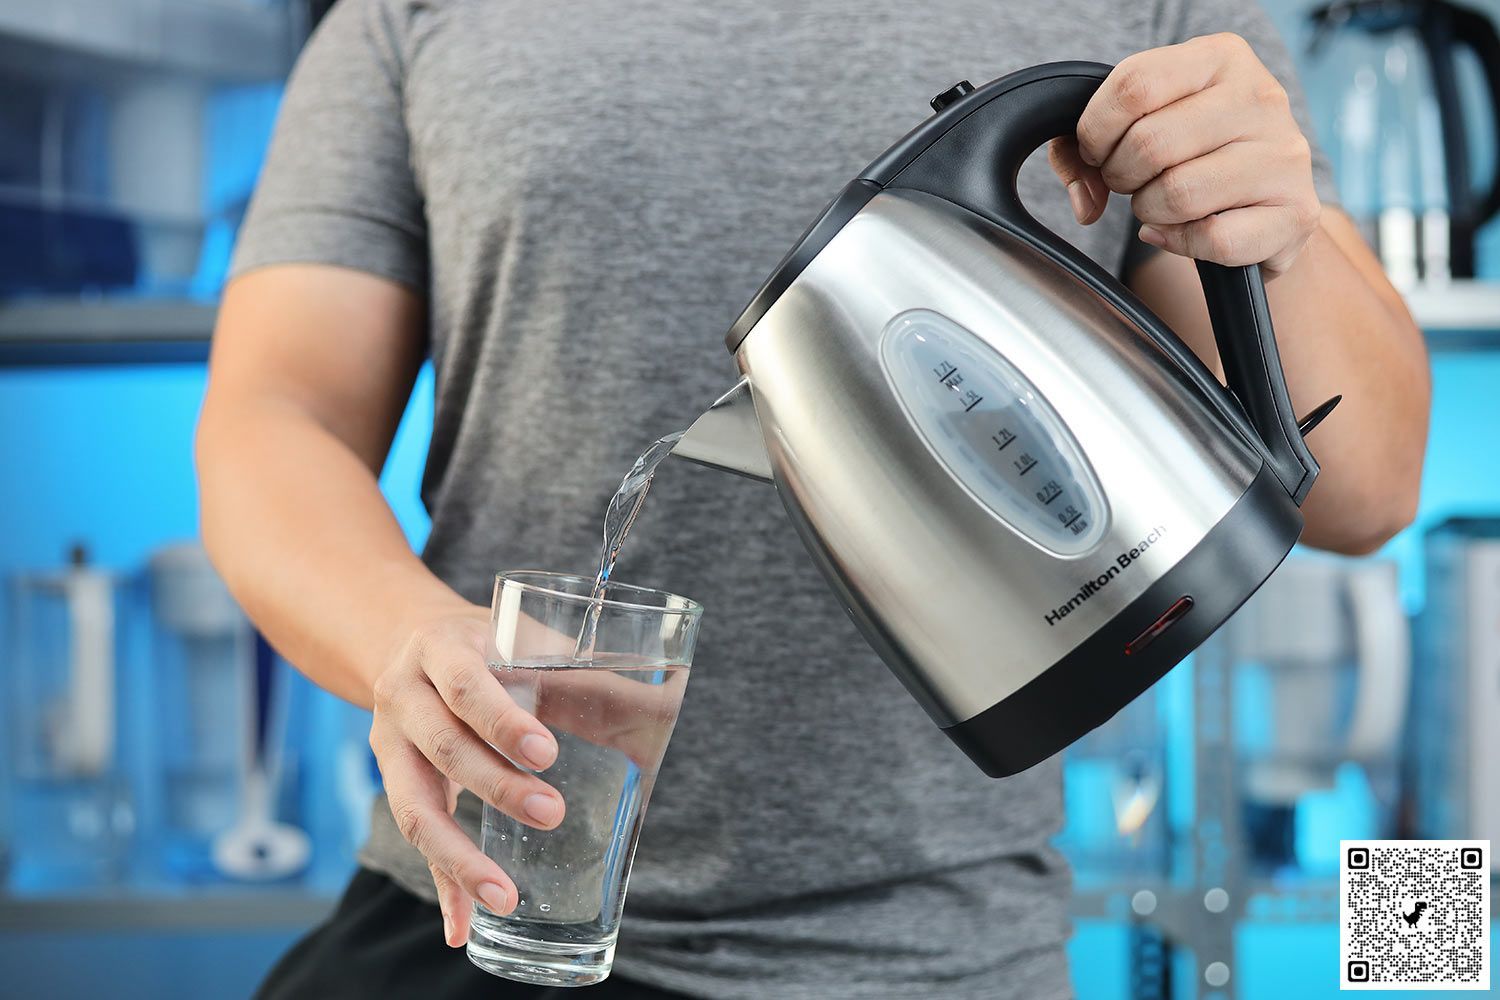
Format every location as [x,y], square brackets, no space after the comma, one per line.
[296,524]
[1341,329]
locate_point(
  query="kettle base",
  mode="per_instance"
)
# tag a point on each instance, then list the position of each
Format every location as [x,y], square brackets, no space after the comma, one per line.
[1087,687]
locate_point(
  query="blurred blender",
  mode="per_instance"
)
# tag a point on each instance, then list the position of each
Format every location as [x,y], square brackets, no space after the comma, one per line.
[72,816]
[1322,661]
[199,647]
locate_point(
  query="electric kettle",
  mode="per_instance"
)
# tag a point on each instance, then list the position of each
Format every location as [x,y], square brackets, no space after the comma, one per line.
[1029,494]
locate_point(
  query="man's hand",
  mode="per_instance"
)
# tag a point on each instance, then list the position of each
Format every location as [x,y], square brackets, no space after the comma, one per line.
[1201,136]
[440,715]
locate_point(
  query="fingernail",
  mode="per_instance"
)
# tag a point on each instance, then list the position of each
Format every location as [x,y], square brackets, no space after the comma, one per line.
[543,809]
[493,897]
[1153,236]
[540,751]
[1083,201]
[447,929]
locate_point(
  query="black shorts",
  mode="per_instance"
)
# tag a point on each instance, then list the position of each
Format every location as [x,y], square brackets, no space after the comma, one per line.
[382,941]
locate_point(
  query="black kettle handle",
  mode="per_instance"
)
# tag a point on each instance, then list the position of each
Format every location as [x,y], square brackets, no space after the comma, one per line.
[1252,368]
[971,152]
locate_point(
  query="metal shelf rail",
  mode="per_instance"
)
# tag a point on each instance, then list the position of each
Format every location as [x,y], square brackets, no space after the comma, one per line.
[223,909]
[1464,315]
[129,331]
[221,40]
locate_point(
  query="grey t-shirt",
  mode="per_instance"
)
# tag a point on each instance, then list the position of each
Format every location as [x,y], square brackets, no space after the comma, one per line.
[587,194]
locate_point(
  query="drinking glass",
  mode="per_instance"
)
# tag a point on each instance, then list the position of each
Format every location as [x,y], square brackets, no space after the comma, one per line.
[611,703]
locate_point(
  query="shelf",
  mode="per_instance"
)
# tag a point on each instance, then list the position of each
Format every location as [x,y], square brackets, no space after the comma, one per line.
[216,910]
[1288,899]
[223,40]
[1464,315]
[107,331]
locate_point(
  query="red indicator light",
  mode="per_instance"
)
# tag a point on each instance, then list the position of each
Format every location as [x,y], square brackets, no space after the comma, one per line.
[1170,617]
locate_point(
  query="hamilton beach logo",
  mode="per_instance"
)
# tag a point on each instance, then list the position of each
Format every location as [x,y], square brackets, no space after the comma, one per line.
[1091,587]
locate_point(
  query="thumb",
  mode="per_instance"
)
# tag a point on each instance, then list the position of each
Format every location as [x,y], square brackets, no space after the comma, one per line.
[452,899]
[1234,238]
[1086,188]
[456,905]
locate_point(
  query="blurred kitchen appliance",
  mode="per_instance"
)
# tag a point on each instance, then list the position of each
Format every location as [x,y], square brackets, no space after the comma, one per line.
[1454,733]
[259,847]
[100,185]
[1322,662]
[73,816]
[118,139]
[1114,786]
[1411,103]
[201,647]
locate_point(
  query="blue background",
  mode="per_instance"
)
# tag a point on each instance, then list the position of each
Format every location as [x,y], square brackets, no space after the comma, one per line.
[104,454]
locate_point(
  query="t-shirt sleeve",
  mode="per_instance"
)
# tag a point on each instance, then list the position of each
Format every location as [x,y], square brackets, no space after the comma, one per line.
[337,186]
[1180,20]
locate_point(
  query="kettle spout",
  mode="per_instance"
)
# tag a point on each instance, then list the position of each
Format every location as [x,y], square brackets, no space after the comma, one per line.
[727,436]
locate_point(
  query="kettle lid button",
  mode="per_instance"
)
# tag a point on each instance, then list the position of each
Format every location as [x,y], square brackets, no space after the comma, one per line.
[960,89]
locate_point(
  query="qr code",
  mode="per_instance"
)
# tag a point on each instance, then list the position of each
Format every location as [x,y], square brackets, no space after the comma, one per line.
[1414,914]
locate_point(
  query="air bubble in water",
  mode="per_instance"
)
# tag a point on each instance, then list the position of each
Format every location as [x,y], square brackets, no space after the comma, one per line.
[545,907]
[524,837]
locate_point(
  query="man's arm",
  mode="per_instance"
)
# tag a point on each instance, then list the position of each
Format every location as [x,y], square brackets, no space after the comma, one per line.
[1202,137]
[311,369]
[310,373]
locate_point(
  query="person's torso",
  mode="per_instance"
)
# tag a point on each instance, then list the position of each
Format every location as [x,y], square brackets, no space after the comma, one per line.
[606,184]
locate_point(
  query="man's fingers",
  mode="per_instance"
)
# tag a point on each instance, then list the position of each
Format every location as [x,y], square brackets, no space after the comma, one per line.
[1255,235]
[1086,189]
[456,906]
[1234,176]
[476,696]
[419,804]
[451,746]
[1147,82]
[1178,133]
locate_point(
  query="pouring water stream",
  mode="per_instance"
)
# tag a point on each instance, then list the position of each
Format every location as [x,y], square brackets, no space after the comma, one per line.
[623,509]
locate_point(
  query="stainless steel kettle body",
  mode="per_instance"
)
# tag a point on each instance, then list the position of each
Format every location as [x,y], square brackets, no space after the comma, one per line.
[1030,496]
